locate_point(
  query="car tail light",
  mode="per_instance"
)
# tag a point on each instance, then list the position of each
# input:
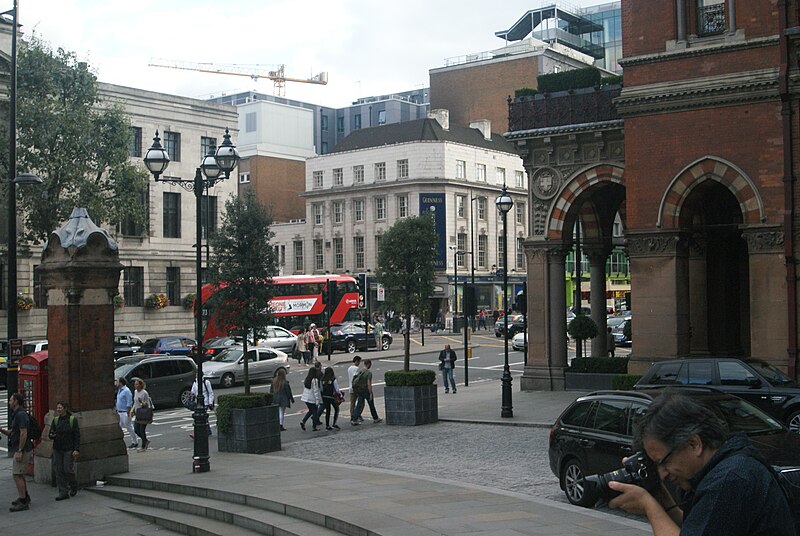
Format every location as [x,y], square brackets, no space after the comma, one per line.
[552,436]
[156,351]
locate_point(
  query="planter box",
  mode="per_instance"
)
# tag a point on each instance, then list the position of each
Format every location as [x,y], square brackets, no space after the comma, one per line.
[255,431]
[589,381]
[410,406]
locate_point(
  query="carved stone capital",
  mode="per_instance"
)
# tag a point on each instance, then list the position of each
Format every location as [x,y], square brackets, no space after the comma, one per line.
[656,244]
[763,240]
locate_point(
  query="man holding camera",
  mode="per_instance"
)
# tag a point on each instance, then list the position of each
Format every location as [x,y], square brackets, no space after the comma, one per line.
[727,490]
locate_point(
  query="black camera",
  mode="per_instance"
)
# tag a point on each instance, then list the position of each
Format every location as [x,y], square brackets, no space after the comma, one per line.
[638,469]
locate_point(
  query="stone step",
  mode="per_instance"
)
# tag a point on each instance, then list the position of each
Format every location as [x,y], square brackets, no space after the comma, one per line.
[195,511]
[184,523]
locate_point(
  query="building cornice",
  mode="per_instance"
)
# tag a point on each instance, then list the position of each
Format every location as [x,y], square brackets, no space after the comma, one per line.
[698,51]
[565,129]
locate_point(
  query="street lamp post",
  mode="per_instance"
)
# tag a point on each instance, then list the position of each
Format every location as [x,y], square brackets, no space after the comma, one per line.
[215,167]
[456,253]
[504,204]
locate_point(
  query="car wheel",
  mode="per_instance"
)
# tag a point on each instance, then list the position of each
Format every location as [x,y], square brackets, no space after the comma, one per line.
[572,480]
[498,335]
[793,422]
[351,347]
[186,394]
[227,380]
[385,344]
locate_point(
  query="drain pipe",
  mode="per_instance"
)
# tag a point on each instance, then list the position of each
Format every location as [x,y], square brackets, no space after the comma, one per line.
[788,186]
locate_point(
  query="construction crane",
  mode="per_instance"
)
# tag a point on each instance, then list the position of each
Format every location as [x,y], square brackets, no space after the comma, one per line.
[251,71]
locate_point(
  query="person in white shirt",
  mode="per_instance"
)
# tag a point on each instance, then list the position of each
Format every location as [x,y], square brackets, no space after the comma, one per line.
[208,399]
[312,396]
[351,372]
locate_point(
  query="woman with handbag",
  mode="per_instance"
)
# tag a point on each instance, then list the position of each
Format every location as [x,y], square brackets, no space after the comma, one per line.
[142,411]
[312,396]
[330,390]
[282,395]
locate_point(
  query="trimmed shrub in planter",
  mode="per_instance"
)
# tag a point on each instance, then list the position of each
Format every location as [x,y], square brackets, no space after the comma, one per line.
[411,397]
[247,423]
[588,373]
[625,382]
[614,365]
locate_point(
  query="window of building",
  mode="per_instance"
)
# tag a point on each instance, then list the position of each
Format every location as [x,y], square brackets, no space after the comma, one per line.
[356,121]
[402,169]
[172,215]
[208,215]
[461,244]
[402,206]
[480,172]
[207,145]
[382,117]
[358,250]
[482,208]
[130,227]
[338,253]
[618,263]
[520,254]
[323,122]
[133,286]
[483,248]
[358,210]
[172,144]
[519,212]
[380,208]
[282,255]
[340,125]
[358,174]
[250,122]
[380,171]
[319,258]
[519,178]
[461,204]
[174,285]
[135,148]
[318,178]
[338,176]
[461,169]
[323,148]
[711,19]
[39,292]
[316,213]
[500,250]
[299,267]
[244,178]
[338,212]
[378,241]
[500,174]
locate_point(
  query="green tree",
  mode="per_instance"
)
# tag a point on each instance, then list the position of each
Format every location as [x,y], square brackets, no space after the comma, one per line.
[242,267]
[582,327]
[77,143]
[405,268]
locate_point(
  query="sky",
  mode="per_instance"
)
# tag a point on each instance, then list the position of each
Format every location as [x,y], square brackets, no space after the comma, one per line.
[368,47]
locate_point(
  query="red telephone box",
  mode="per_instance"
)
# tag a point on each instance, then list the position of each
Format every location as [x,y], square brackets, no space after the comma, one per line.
[33,384]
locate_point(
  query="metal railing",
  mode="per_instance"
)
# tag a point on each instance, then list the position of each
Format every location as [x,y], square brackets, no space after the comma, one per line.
[711,19]
[580,106]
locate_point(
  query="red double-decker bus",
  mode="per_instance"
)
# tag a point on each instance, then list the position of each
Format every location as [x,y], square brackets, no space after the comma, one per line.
[298,301]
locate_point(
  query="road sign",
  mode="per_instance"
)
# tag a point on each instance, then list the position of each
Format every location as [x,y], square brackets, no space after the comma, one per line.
[381,293]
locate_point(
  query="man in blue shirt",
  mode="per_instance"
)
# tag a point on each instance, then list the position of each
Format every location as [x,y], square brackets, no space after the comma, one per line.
[124,408]
[727,490]
[21,446]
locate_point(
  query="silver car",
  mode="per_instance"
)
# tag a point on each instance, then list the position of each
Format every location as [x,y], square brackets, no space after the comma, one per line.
[280,338]
[227,368]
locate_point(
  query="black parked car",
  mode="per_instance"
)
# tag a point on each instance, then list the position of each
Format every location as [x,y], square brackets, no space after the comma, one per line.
[758,382]
[595,432]
[352,336]
[168,345]
[516,324]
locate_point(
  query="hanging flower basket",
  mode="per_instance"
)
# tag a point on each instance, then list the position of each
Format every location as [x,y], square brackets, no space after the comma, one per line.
[24,303]
[188,301]
[156,301]
[119,302]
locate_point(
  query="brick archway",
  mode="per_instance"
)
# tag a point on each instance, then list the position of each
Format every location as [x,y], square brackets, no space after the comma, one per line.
[580,183]
[670,214]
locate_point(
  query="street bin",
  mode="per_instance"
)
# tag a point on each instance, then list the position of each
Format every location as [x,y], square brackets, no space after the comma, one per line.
[458,324]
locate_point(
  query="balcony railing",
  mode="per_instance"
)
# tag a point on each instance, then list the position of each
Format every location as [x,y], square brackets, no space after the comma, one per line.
[711,19]
[588,105]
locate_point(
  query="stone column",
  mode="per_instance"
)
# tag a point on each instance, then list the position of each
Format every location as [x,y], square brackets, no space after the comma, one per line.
[732,16]
[680,19]
[597,274]
[80,271]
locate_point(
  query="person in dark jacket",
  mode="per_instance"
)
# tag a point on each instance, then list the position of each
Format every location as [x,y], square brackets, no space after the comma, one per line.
[447,364]
[66,436]
[727,489]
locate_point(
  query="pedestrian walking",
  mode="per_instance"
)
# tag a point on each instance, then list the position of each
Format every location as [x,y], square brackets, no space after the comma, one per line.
[208,399]
[21,445]
[141,404]
[313,340]
[378,332]
[352,370]
[330,398]
[302,347]
[124,406]
[447,364]
[362,383]
[282,395]
[611,344]
[312,396]
[482,319]
[66,436]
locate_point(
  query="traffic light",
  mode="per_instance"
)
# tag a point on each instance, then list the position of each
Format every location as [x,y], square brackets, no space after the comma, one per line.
[332,297]
[521,303]
[361,280]
[470,303]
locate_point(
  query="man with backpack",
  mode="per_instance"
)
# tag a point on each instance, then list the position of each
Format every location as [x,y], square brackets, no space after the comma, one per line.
[66,438]
[20,442]
[362,385]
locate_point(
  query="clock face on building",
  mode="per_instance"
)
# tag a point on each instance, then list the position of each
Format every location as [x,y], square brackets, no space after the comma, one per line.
[546,182]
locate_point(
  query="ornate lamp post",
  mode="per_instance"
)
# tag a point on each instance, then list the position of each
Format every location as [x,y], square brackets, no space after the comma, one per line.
[215,167]
[504,204]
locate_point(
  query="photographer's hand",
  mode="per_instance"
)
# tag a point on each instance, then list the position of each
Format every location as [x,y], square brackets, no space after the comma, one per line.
[638,500]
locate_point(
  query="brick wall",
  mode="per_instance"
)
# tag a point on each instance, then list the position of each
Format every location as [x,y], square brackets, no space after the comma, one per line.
[277,183]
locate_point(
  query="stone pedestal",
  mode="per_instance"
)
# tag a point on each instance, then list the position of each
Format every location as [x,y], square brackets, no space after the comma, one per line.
[80,270]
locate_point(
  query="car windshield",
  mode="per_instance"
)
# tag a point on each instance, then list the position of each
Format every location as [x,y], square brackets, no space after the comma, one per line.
[772,374]
[123,370]
[615,321]
[742,416]
[231,355]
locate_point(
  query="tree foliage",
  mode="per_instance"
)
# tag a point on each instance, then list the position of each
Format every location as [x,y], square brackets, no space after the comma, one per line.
[405,267]
[76,143]
[582,327]
[242,267]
